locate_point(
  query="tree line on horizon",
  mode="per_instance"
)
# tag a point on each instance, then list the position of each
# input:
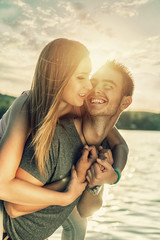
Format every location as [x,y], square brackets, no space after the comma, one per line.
[129,120]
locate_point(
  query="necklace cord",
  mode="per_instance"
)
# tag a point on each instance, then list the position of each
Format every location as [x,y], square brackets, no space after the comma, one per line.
[83,133]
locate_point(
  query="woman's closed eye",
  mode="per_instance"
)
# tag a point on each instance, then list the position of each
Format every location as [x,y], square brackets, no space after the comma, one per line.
[83,77]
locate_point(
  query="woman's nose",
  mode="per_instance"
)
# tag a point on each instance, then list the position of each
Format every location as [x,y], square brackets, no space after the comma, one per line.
[88,85]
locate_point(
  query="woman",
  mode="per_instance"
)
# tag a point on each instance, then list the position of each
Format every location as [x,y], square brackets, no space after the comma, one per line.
[63,65]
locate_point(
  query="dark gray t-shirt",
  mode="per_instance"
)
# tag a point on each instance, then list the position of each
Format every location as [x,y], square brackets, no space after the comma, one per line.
[64,152]
[66,149]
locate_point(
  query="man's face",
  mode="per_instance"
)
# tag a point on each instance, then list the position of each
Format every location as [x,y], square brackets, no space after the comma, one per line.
[106,95]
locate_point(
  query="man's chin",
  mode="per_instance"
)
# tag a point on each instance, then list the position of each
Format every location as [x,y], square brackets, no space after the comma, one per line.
[95,112]
[96,108]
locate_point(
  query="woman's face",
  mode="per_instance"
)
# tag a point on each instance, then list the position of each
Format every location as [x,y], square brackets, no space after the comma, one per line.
[79,84]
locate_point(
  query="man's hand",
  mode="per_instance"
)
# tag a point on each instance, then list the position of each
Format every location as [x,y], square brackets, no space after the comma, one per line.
[105,154]
[96,176]
[89,156]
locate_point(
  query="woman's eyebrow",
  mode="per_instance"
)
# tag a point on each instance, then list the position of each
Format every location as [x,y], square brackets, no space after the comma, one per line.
[84,73]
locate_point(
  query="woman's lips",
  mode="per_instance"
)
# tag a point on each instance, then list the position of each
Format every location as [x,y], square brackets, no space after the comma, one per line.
[82,94]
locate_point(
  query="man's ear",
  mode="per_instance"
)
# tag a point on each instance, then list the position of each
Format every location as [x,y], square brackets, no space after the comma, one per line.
[126,101]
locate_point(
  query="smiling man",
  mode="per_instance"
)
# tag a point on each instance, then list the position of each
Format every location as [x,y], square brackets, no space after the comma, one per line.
[111,94]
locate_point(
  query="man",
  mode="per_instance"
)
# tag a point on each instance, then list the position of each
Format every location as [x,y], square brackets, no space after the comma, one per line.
[111,94]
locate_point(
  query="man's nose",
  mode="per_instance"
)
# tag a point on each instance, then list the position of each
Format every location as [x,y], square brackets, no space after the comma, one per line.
[97,88]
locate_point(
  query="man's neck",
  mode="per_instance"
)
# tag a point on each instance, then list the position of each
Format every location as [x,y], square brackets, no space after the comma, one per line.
[96,128]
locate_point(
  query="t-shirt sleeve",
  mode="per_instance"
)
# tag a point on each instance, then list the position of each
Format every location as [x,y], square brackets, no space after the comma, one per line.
[29,163]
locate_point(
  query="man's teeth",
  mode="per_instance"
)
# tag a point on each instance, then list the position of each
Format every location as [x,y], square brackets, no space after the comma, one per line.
[82,94]
[97,101]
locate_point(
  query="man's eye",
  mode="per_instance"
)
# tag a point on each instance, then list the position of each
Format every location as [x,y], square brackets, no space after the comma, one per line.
[107,85]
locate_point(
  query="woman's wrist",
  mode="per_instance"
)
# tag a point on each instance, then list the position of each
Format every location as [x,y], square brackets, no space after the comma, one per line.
[68,198]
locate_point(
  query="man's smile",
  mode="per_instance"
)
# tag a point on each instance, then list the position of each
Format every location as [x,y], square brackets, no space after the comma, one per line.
[97,100]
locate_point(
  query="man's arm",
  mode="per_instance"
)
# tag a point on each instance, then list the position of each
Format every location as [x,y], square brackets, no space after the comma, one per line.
[96,176]
[100,173]
[90,203]
[119,149]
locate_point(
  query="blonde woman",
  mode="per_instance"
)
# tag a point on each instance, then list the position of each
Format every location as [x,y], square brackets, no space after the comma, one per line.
[61,82]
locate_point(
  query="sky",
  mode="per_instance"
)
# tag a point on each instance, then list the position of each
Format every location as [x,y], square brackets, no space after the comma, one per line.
[125,30]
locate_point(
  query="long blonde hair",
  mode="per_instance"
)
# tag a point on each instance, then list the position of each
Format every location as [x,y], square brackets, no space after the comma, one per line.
[56,64]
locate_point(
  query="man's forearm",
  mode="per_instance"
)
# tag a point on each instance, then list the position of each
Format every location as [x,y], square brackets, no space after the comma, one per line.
[120,154]
[119,149]
[89,203]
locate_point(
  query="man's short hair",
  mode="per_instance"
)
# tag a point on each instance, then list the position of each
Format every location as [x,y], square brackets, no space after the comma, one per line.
[128,87]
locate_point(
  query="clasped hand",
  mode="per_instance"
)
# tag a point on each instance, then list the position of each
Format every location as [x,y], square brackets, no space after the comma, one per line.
[96,166]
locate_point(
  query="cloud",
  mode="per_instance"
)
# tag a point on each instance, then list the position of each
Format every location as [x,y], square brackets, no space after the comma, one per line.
[156,63]
[33,23]
[85,16]
[30,26]
[19,3]
[15,79]
[142,54]
[146,94]
[26,26]
[123,8]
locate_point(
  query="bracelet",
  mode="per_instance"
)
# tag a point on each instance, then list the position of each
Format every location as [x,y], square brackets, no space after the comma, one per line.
[119,176]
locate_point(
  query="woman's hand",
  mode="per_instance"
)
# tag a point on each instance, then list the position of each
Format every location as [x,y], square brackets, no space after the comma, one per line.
[75,188]
[89,156]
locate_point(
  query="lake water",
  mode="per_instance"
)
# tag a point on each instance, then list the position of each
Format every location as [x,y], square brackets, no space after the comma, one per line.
[131,208]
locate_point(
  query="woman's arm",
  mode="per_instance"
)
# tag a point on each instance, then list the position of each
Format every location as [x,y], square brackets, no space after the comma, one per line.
[30,191]
[14,138]
[83,164]
[17,210]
